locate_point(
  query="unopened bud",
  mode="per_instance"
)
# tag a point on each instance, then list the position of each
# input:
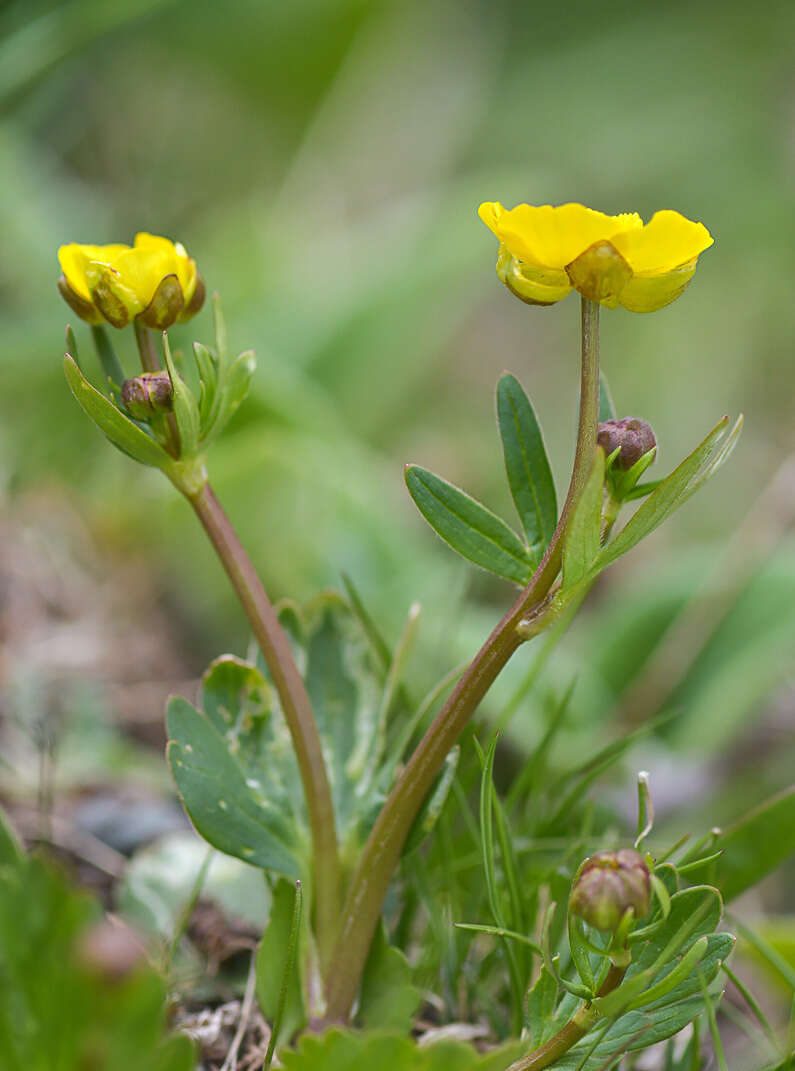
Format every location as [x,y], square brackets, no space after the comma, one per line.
[148,394]
[630,436]
[607,885]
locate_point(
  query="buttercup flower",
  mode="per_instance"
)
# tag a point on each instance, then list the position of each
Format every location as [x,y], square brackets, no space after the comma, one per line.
[153,280]
[547,251]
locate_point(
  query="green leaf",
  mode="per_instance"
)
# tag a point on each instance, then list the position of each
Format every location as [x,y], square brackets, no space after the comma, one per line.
[186,409]
[10,848]
[667,497]
[388,999]
[543,1021]
[208,378]
[473,531]
[114,373]
[607,411]
[229,809]
[121,431]
[272,955]
[428,814]
[527,465]
[753,847]
[342,1050]
[581,546]
[233,386]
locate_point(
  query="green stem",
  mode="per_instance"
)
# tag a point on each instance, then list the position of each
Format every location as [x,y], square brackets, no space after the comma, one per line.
[150,361]
[574,1030]
[295,704]
[527,616]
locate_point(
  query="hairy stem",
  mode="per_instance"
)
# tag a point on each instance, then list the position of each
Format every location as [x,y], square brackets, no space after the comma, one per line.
[575,1029]
[526,617]
[295,704]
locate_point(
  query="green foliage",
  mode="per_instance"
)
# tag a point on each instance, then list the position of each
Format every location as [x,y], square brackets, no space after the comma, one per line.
[56,1010]
[751,847]
[279,983]
[388,999]
[474,531]
[526,465]
[117,427]
[339,1050]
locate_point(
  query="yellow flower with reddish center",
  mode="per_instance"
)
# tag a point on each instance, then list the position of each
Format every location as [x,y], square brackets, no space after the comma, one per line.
[546,251]
[154,281]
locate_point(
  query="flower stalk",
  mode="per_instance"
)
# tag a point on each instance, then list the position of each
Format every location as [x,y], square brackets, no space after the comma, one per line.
[296,706]
[384,846]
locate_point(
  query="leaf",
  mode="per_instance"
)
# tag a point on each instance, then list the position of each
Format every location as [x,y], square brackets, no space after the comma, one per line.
[233,386]
[527,465]
[208,377]
[581,546]
[607,411]
[121,431]
[473,531]
[272,955]
[107,356]
[428,814]
[229,810]
[342,1050]
[186,410]
[542,1020]
[10,848]
[670,494]
[753,846]
[388,999]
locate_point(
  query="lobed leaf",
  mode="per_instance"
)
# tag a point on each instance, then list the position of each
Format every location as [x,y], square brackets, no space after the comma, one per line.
[230,813]
[469,528]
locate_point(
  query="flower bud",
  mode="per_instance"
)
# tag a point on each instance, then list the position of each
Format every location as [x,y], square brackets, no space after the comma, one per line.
[607,885]
[148,394]
[630,436]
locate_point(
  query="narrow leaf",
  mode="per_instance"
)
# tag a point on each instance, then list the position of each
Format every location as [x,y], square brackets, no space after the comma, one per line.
[472,530]
[526,464]
[186,410]
[107,356]
[581,547]
[121,431]
[670,494]
[278,975]
[607,410]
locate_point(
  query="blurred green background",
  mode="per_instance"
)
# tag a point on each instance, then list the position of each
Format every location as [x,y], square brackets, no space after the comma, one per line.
[323,161]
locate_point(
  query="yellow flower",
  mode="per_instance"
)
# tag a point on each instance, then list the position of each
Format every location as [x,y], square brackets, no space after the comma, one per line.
[154,281]
[549,250]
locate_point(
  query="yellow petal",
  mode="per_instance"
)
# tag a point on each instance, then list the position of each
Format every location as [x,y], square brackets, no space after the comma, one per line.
[490,212]
[647,293]
[667,241]
[179,263]
[75,257]
[554,236]
[142,269]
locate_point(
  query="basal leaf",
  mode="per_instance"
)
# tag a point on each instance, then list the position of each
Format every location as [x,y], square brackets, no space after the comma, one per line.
[388,999]
[121,431]
[472,530]
[527,465]
[343,1050]
[230,813]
